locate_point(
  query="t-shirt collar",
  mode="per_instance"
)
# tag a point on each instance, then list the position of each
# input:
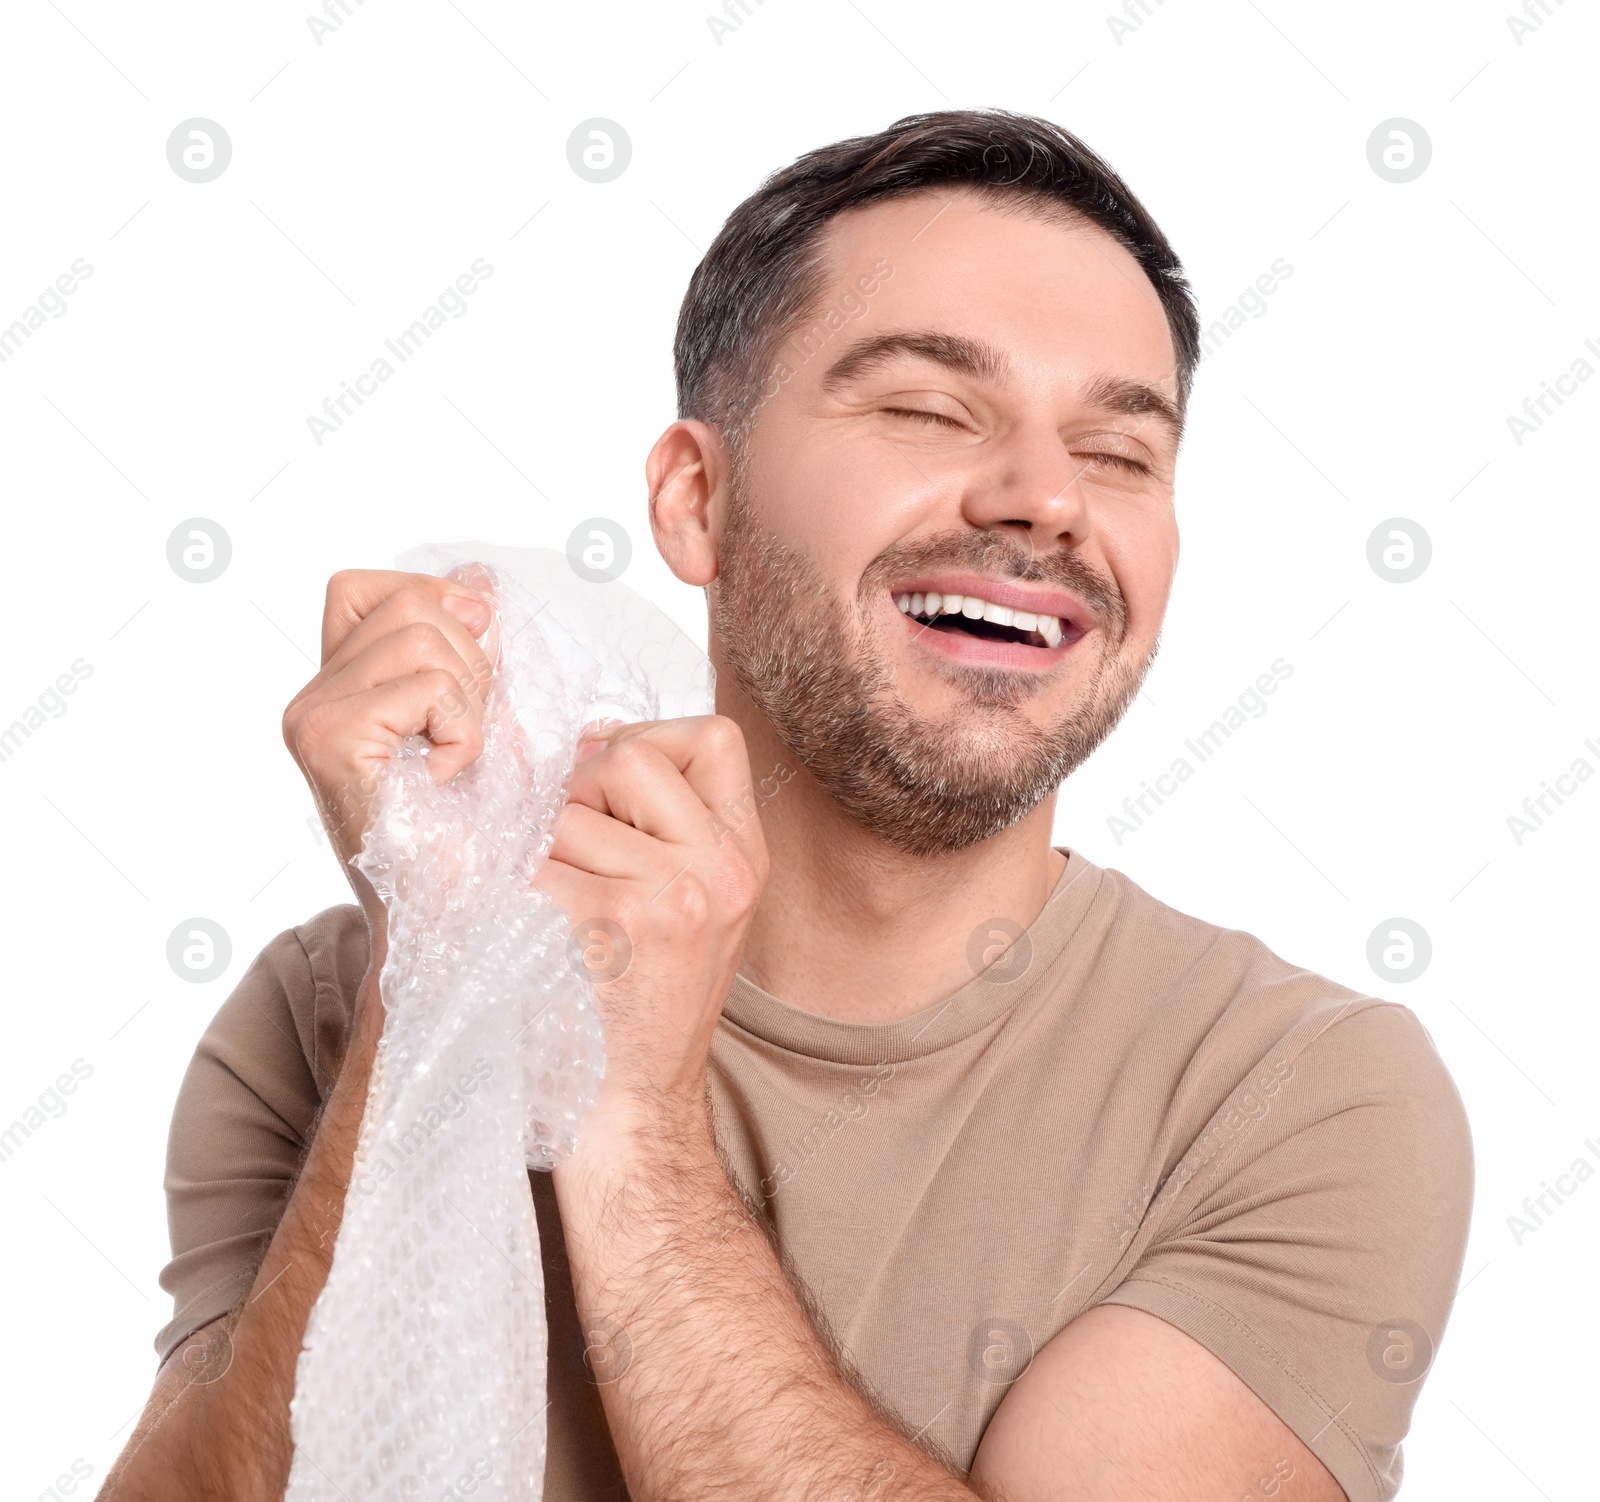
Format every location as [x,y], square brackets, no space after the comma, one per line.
[975,1005]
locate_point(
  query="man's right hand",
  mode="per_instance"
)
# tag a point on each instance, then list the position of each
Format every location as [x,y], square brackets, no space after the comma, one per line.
[400,657]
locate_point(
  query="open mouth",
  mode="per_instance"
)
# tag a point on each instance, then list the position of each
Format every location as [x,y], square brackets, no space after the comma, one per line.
[969,615]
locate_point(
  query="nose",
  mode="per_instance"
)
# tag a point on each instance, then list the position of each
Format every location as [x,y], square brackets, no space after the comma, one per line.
[1031,481]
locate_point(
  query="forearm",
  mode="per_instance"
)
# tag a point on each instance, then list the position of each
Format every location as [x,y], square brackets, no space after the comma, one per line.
[715,1383]
[217,1426]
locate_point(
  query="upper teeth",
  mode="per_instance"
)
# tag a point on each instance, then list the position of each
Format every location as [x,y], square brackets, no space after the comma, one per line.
[973,608]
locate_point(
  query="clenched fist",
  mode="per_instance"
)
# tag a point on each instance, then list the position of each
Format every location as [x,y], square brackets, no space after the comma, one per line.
[656,839]
[400,656]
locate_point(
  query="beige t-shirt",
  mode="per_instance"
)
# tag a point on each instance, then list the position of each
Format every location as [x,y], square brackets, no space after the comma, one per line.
[1154,1112]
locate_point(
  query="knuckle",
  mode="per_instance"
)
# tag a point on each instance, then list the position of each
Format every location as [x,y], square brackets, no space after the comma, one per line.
[342,583]
[408,604]
[421,600]
[420,638]
[687,902]
[742,887]
[722,735]
[314,732]
[632,756]
[447,692]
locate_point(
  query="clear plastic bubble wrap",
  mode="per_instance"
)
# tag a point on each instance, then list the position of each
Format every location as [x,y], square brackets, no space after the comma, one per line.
[423,1372]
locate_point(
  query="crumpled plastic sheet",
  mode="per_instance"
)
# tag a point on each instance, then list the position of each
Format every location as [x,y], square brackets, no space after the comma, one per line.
[424,1365]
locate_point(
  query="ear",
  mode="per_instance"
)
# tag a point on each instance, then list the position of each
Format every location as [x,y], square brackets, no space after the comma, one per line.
[687,472]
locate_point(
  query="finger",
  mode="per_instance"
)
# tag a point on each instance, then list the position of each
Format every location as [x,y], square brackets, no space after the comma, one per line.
[637,783]
[603,846]
[707,750]
[368,726]
[480,579]
[355,595]
[576,892]
[415,648]
[416,611]
[710,752]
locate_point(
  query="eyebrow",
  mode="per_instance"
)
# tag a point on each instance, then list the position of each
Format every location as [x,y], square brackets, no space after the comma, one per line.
[987,362]
[953,351]
[1130,398]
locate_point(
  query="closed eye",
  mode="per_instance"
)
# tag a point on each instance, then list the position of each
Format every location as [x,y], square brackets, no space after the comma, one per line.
[1124,462]
[921,415]
[1132,466]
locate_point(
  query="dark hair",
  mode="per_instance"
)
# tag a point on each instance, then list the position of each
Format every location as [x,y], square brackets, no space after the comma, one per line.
[763,273]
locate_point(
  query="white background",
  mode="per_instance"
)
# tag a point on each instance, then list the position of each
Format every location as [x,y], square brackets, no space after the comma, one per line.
[369,171]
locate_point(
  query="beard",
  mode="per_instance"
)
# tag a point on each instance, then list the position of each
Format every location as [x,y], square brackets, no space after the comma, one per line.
[922,784]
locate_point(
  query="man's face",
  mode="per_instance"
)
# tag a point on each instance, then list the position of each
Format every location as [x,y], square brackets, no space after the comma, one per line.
[991,422]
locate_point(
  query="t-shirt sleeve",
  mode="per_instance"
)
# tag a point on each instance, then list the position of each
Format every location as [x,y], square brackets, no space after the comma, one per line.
[246,1109]
[1315,1239]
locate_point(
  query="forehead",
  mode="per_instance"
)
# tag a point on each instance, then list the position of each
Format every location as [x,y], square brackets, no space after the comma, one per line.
[1059,295]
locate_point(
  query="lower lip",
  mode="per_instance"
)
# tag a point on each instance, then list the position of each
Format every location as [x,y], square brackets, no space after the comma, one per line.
[978,651]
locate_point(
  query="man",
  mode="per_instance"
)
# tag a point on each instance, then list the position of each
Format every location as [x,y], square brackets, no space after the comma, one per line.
[931,1161]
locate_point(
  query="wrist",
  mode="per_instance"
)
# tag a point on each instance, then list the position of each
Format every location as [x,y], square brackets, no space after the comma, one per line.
[634,1122]
[635,1135]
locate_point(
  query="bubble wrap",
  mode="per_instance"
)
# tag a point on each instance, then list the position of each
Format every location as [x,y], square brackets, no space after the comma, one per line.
[423,1371]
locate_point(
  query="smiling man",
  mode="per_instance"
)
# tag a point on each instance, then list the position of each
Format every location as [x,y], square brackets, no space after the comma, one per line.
[931,1160]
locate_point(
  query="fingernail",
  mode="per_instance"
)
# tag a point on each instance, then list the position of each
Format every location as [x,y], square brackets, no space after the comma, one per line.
[473,614]
[596,736]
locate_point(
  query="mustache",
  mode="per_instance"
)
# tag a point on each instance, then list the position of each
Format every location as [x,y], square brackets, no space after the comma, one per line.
[1002,556]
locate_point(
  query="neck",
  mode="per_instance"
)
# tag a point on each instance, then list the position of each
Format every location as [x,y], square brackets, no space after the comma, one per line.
[852,928]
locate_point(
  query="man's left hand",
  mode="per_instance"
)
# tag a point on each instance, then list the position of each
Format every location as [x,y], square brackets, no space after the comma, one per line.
[659,861]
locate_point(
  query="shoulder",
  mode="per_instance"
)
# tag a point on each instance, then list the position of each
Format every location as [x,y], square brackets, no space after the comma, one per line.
[336,947]
[290,1010]
[328,949]
[1227,1010]
[1176,954]
[1181,970]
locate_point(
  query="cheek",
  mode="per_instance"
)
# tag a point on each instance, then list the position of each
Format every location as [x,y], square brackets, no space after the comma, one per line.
[840,498]
[1141,548]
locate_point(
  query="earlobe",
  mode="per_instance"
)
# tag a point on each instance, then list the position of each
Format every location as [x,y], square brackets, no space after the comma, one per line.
[687,472]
